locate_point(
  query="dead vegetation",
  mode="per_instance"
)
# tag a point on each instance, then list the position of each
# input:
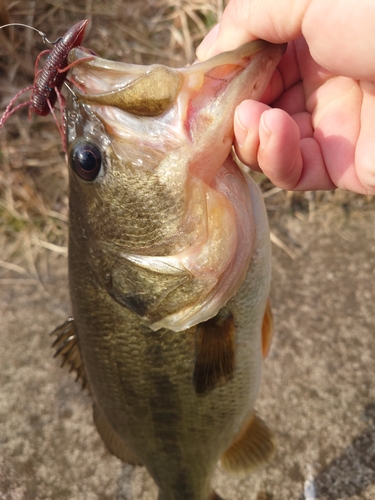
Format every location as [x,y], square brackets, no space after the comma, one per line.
[33,174]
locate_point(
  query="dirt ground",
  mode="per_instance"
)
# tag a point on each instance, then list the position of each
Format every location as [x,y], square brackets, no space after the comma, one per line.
[318,393]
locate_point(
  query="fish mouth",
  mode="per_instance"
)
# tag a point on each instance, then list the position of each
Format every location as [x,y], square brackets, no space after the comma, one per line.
[183,100]
[151,90]
[177,125]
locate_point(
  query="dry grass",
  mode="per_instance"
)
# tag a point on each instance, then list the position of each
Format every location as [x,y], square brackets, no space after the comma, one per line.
[33,175]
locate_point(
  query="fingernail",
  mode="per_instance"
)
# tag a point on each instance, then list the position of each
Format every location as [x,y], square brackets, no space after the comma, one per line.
[241,129]
[205,48]
[264,130]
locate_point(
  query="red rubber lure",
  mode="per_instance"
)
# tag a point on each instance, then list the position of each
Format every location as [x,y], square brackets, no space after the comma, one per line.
[49,80]
[53,75]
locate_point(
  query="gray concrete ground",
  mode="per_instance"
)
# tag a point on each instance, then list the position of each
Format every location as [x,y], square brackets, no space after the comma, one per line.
[318,392]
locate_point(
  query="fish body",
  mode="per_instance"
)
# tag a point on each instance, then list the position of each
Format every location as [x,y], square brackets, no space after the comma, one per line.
[169,265]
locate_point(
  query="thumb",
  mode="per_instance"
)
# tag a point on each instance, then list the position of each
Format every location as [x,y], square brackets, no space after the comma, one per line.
[246,20]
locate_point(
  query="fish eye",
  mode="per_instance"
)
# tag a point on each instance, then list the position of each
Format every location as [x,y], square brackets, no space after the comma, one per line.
[86,160]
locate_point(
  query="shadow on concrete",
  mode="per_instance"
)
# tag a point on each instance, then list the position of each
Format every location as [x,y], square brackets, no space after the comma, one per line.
[353,471]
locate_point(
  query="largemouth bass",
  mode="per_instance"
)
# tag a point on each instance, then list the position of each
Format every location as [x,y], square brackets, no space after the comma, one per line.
[169,265]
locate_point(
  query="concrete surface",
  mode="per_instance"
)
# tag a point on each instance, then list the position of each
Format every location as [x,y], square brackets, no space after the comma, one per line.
[318,393]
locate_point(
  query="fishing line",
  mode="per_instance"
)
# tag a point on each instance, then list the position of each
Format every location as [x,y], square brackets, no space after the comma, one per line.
[43,35]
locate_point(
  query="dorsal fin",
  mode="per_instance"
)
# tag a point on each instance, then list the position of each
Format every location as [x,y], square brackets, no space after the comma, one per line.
[254,446]
[214,353]
[267,330]
[67,347]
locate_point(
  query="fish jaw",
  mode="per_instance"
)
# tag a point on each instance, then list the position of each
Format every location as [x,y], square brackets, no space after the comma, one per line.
[196,102]
[168,133]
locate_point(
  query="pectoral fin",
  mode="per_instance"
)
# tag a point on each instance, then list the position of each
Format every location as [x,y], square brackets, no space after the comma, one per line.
[214,353]
[253,447]
[112,440]
[67,348]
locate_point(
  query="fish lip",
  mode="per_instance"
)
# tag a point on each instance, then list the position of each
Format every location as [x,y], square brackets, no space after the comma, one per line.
[152,90]
[242,52]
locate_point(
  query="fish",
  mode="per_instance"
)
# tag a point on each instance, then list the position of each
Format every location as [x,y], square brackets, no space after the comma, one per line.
[169,265]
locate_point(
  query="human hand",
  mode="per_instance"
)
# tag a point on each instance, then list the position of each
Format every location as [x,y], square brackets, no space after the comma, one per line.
[315,126]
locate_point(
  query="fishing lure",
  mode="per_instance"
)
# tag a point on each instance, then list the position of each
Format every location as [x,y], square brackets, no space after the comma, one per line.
[49,80]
